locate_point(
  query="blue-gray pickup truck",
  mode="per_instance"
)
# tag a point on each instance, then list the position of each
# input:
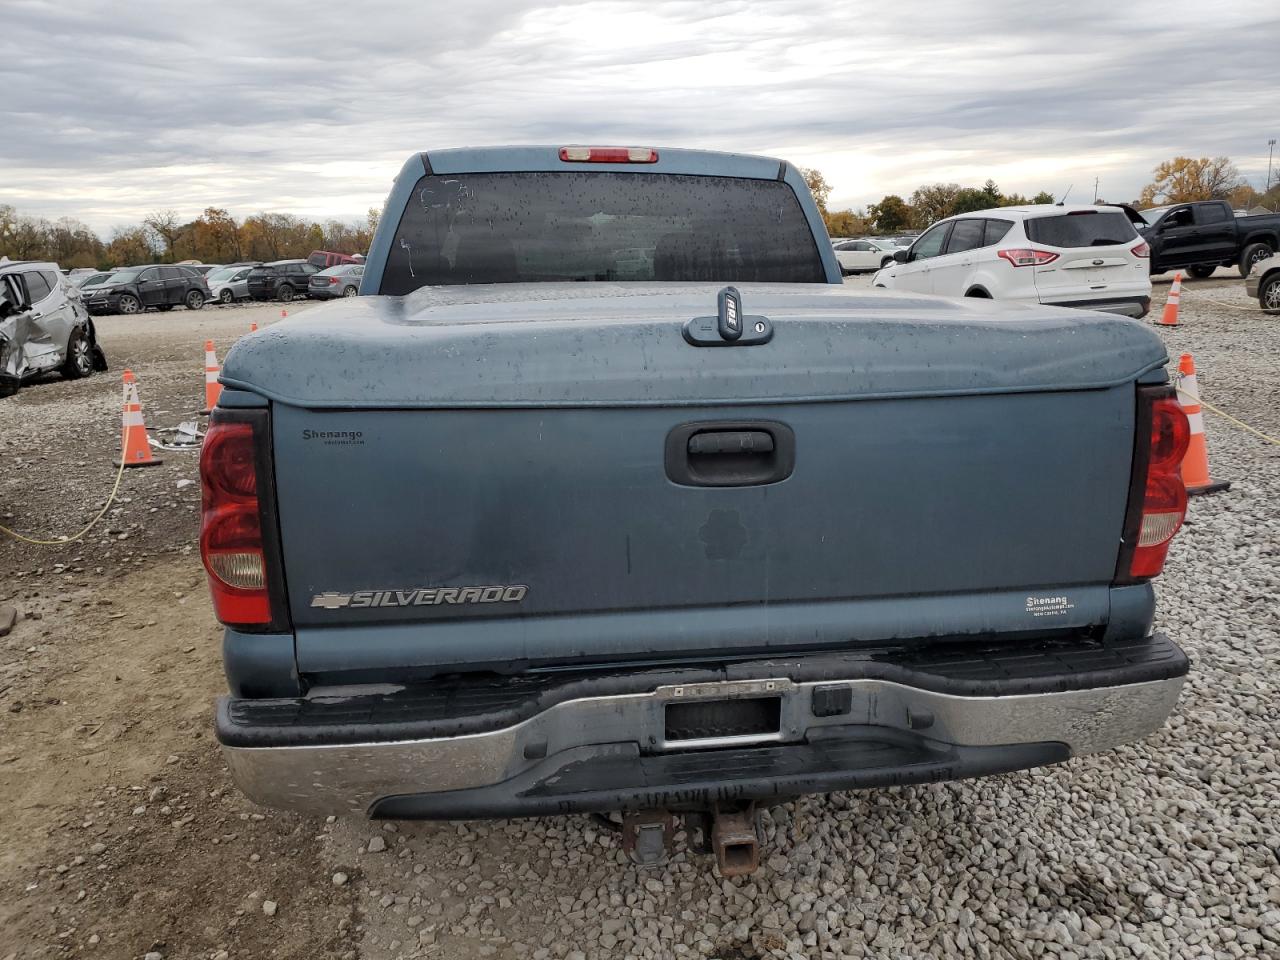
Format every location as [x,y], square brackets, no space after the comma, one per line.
[606,496]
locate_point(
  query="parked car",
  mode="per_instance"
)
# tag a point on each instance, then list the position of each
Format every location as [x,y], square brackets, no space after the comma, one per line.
[1263,282]
[43,326]
[280,280]
[340,281]
[229,284]
[1065,256]
[1202,236]
[554,544]
[327,258]
[201,268]
[864,256]
[93,279]
[163,286]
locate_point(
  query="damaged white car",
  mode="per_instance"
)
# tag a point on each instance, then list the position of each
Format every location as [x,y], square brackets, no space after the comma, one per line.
[43,326]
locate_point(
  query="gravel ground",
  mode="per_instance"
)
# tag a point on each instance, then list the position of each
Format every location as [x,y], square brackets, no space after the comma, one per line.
[127,838]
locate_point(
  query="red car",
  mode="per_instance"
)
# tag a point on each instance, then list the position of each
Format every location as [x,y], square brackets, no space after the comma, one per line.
[327,258]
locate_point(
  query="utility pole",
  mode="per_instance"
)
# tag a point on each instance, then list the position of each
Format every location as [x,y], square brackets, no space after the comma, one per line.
[1095,189]
[1271,148]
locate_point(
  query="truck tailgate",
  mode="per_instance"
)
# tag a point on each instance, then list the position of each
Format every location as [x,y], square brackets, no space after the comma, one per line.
[931,493]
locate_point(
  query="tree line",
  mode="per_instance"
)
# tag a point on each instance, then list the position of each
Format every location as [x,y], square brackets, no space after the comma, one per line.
[1180,180]
[163,237]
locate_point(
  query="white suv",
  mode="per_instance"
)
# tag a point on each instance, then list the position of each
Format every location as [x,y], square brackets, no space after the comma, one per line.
[1079,256]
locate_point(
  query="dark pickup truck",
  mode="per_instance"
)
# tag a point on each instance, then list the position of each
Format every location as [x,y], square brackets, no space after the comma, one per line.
[1205,235]
[606,496]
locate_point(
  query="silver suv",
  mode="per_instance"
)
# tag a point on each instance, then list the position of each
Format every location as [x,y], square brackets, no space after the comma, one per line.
[43,326]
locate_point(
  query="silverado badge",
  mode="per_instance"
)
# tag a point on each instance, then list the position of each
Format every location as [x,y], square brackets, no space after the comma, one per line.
[419,597]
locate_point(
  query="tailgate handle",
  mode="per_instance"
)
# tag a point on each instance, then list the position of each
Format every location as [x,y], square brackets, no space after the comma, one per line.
[735,454]
[731,441]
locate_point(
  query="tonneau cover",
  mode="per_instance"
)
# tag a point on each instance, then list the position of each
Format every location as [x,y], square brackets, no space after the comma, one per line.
[621,344]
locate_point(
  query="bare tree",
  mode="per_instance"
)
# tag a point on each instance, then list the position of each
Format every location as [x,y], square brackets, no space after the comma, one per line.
[166,228]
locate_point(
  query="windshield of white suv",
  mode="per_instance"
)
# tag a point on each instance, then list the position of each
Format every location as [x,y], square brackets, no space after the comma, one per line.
[222,273]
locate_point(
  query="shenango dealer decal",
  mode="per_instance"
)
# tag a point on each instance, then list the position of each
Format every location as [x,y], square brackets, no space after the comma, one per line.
[420,597]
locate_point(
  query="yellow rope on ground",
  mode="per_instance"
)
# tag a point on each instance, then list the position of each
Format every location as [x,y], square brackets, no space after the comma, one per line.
[1239,423]
[1197,295]
[1222,413]
[115,487]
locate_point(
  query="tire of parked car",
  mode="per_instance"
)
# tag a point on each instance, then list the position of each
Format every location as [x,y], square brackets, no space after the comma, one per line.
[1202,270]
[130,304]
[225,297]
[1251,255]
[1269,295]
[79,361]
[194,300]
[284,293]
[349,291]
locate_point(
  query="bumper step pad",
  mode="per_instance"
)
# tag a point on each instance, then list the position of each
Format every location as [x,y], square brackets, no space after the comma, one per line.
[620,778]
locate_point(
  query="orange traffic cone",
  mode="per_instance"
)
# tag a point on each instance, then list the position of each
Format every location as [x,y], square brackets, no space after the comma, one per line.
[1170,316]
[212,388]
[1195,464]
[283,313]
[253,326]
[135,448]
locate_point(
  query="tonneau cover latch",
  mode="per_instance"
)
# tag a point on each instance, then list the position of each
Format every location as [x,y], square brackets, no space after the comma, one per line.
[730,327]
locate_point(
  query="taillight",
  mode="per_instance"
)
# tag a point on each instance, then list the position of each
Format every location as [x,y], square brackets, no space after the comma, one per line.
[608,155]
[1157,495]
[333,280]
[1027,257]
[238,542]
[1141,250]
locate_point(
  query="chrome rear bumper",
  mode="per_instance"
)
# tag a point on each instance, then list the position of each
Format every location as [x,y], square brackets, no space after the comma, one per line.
[353,777]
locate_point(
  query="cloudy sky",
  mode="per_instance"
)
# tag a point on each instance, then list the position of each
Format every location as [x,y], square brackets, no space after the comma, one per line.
[111,110]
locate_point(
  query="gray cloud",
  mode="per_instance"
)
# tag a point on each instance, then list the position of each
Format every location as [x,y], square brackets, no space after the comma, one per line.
[110,111]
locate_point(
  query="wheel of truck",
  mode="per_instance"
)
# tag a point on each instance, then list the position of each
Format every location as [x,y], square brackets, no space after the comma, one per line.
[194,300]
[284,293]
[1251,255]
[349,291]
[79,360]
[225,298]
[1202,271]
[130,304]
[1269,294]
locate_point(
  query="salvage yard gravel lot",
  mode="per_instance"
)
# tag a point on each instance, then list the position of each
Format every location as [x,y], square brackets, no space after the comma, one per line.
[122,835]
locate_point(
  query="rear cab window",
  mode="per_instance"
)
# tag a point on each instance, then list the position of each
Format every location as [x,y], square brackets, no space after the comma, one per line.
[1084,228]
[1213,213]
[545,226]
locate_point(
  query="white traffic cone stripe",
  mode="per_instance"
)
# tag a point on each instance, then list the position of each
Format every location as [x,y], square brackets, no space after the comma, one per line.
[133,418]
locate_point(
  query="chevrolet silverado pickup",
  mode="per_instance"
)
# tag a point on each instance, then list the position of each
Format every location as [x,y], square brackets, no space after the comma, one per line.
[1205,235]
[605,496]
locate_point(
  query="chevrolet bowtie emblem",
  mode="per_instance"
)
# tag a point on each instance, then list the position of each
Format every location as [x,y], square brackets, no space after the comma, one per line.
[331,601]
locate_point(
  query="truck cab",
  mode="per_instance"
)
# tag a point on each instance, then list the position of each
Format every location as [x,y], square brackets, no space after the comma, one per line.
[1202,235]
